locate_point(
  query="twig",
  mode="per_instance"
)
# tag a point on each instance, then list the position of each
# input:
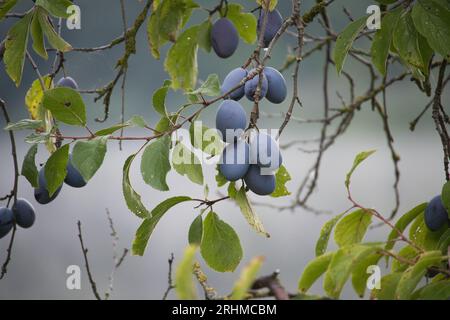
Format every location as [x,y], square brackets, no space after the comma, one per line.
[171,285]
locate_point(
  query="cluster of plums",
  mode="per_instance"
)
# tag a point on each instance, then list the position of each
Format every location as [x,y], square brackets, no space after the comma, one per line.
[22,213]
[225,38]
[436,215]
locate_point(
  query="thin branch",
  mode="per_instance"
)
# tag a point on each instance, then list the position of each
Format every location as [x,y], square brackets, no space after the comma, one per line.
[171,285]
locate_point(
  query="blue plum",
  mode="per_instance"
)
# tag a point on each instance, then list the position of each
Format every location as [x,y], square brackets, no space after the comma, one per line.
[73,177]
[435,214]
[224,38]
[231,81]
[6,221]
[67,82]
[230,119]
[252,84]
[41,193]
[274,22]
[24,213]
[259,183]
[234,162]
[264,151]
[277,90]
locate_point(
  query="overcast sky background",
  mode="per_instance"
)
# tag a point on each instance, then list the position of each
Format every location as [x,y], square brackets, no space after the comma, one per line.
[42,253]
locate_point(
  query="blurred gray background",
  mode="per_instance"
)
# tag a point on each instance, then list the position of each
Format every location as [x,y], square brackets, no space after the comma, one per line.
[42,253]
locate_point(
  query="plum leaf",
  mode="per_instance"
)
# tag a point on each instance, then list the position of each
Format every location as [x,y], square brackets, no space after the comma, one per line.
[15,48]
[388,285]
[66,105]
[246,278]
[244,22]
[29,170]
[184,282]
[211,87]
[360,274]
[52,36]
[352,228]
[181,60]
[325,232]
[145,230]
[187,163]
[5,6]
[204,36]
[360,157]
[206,139]
[57,8]
[25,124]
[88,156]
[38,36]
[196,231]
[313,270]
[55,169]
[435,291]
[345,41]
[34,96]
[155,163]
[132,198]
[159,98]
[282,176]
[221,247]
[445,196]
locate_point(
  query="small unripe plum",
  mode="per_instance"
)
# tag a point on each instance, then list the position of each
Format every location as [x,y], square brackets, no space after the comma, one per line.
[252,84]
[235,160]
[231,81]
[41,193]
[435,214]
[73,177]
[230,118]
[277,90]
[67,82]
[274,22]
[6,221]
[224,38]
[264,151]
[24,213]
[258,183]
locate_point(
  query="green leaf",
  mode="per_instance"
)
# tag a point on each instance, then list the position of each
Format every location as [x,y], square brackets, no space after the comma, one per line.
[159,98]
[87,156]
[432,20]
[220,179]
[186,163]
[66,105]
[388,286]
[145,230]
[246,279]
[155,163]
[282,176]
[29,170]
[444,241]
[211,87]
[132,198]
[360,157]
[16,47]
[34,96]
[383,39]
[165,123]
[184,282]
[38,36]
[37,138]
[137,121]
[221,247]
[25,124]
[272,4]
[412,276]
[205,139]
[402,223]
[345,41]
[248,212]
[52,36]
[409,253]
[325,232]
[313,270]
[352,228]
[435,291]
[5,6]
[204,36]
[360,275]
[445,196]
[232,192]
[422,236]
[181,60]
[166,21]
[55,169]
[409,43]
[57,8]
[342,265]
[244,22]
[196,231]
[110,130]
